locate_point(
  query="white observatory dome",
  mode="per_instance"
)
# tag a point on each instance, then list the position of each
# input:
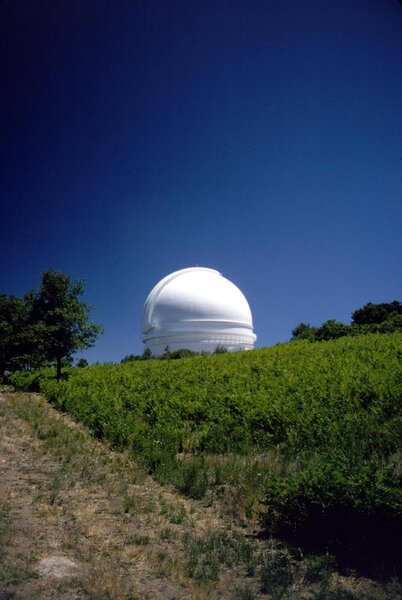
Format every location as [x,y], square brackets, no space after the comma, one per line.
[199,310]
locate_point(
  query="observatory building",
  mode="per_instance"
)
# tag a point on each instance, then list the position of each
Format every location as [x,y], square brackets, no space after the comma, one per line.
[199,310]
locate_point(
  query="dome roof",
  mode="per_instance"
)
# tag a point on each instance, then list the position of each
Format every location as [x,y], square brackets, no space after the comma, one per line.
[196,303]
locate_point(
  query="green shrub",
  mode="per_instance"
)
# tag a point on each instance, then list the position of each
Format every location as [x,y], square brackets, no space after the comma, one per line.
[207,553]
[276,572]
[32,381]
[320,567]
[192,477]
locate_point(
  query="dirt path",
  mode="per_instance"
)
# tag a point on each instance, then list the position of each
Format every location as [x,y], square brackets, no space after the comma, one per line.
[80,521]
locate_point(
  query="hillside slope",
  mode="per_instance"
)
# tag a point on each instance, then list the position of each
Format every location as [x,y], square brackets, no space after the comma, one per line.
[304,437]
[80,521]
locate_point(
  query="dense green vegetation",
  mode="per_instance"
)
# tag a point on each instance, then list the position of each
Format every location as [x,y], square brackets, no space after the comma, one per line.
[306,435]
[371,318]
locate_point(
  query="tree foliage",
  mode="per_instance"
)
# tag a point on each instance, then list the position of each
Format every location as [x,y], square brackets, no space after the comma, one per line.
[81,363]
[331,330]
[372,314]
[62,317]
[146,355]
[16,334]
[304,331]
[372,318]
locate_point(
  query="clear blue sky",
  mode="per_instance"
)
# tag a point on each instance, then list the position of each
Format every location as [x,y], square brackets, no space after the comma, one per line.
[259,138]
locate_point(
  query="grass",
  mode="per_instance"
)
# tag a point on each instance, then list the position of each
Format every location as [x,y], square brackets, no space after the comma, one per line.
[12,571]
[176,514]
[74,449]
[139,540]
[5,528]
[276,574]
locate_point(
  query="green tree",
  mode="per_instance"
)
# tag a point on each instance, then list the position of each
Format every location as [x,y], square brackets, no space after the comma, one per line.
[331,329]
[220,350]
[61,319]
[375,314]
[10,312]
[147,354]
[304,331]
[372,318]
[81,363]
[19,344]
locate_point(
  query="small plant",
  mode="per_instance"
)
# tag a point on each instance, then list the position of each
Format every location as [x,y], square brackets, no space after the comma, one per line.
[206,554]
[4,525]
[166,533]
[245,594]
[203,559]
[55,488]
[128,503]
[163,506]
[174,514]
[320,567]
[276,572]
[192,477]
[139,540]
[340,593]
[179,516]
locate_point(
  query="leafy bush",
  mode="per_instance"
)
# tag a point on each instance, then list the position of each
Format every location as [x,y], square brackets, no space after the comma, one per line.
[31,381]
[372,318]
[376,313]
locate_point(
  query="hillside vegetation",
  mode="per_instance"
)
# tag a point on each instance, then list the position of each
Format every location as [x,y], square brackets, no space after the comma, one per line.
[305,437]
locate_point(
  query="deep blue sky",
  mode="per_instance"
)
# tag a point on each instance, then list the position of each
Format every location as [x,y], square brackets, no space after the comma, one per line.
[260,138]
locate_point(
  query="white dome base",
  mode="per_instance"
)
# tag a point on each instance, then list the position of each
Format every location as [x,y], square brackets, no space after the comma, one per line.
[200,343]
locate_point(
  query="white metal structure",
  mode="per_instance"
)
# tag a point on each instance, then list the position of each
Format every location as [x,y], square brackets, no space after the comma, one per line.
[199,310]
